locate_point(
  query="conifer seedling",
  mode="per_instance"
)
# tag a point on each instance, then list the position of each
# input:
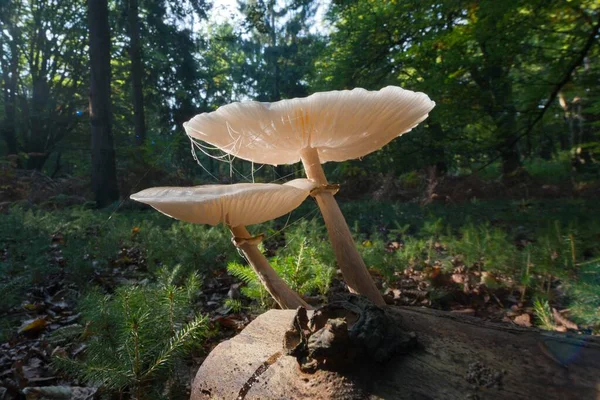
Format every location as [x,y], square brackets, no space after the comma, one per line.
[323,127]
[237,206]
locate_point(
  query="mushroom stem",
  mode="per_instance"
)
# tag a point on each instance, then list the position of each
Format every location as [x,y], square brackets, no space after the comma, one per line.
[353,267]
[277,288]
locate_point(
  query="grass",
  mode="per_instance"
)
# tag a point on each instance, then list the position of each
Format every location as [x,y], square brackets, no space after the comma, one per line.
[531,245]
[92,242]
[528,247]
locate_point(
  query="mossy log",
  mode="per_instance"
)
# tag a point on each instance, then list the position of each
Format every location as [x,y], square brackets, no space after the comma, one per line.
[457,357]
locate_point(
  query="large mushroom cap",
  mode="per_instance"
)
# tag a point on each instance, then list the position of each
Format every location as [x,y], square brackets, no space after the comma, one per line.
[234,205]
[341,125]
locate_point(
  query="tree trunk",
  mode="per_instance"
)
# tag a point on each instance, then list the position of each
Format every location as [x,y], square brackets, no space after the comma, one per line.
[104,175]
[275,96]
[511,159]
[457,357]
[10,72]
[37,144]
[137,72]
[506,123]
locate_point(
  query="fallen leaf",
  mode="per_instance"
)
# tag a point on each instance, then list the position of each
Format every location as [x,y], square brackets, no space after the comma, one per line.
[33,326]
[558,317]
[523,320]
[468,311]
[393,246]
[29,307]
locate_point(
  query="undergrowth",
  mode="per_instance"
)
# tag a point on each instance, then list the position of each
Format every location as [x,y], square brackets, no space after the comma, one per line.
[548,253]
[304,272]
[135,338]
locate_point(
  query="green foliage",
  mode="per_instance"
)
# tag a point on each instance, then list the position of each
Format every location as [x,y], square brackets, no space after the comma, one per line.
[374,258]
[489,173]
[79,245]
[456,52]
[280,49]
[411,180]
[585,292]
[553,171]
[253,289]
[304,272]
[556,251]
[483,245]
[531,246]
[40,41]
[236,306]
[136,337]
[194,247]
[543,314]
[488,65]
[308,235]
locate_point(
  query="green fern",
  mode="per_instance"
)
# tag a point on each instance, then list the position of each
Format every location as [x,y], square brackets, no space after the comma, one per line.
[135,337]
[543,314]
[242,272]
[585,293]
[304,273]
[253,289]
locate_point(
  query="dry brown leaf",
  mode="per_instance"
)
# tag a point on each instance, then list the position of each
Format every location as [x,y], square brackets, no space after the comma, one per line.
[523,320]
[468,311]
[558,317]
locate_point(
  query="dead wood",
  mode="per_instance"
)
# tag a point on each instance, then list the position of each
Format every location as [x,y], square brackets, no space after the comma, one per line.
[458,357]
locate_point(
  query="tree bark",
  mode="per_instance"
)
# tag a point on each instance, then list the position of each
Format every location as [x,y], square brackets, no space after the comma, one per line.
[36,144]
[137,72]
[458,357]
[104,175]
[10,76]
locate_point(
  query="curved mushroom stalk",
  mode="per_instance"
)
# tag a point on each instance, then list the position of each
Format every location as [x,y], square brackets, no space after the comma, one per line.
[353,267]
[236,206]
[277,288]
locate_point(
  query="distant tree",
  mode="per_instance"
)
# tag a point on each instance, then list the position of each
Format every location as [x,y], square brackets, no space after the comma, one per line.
[280,49]
[43,70]
[493,67]
[137,71]
[279,52]
[104,176]
[9,64]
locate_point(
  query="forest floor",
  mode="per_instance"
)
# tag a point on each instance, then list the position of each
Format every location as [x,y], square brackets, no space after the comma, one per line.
[529,262]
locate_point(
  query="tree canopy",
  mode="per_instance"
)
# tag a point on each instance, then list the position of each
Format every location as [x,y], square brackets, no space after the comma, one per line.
[512,80]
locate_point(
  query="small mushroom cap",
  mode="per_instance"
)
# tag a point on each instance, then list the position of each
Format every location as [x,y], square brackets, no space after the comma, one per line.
[341,125]
[234,205]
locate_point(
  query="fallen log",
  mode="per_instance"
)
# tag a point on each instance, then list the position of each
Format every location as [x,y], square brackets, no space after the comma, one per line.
[457,357]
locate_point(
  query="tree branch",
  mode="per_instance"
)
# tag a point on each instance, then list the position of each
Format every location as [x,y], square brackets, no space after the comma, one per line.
[565,79]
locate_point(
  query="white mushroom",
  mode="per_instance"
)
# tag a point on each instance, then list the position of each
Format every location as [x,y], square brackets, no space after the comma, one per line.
[327,126]
[236,206]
